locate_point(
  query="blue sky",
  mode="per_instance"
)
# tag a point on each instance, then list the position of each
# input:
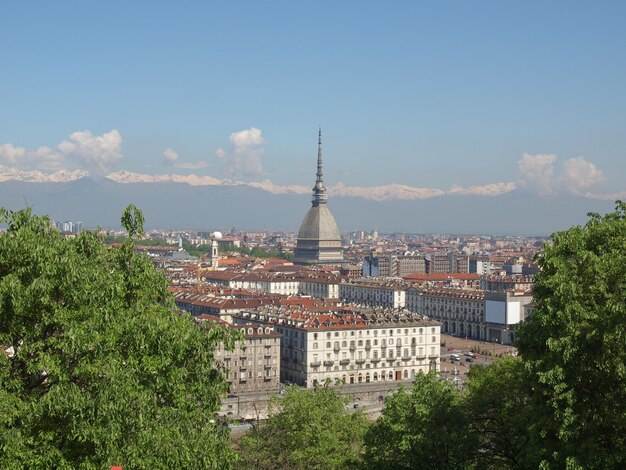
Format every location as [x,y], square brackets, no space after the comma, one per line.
[434,95]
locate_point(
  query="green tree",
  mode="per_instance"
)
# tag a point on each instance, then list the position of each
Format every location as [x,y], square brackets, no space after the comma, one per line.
[306,429]
[101,368]
[574,346]
[424,427]
[497,403]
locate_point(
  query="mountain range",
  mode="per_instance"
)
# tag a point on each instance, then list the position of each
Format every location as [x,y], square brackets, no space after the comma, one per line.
[100,201]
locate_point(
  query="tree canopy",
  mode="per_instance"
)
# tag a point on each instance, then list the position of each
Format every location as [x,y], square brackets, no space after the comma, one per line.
[101,369]
[422,427]
[306,429]
[574,346]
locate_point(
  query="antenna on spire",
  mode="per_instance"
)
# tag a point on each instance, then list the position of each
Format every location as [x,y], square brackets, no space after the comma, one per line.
[319,190]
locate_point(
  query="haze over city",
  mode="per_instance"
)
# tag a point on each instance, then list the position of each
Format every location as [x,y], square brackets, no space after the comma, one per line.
[484,118]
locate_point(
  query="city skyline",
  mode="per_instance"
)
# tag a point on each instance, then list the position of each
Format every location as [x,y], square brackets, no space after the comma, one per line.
[436,105]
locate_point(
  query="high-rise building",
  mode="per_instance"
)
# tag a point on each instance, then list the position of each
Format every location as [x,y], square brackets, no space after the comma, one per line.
[319,241]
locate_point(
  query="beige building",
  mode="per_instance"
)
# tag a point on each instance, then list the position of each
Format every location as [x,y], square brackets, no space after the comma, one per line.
[254,364]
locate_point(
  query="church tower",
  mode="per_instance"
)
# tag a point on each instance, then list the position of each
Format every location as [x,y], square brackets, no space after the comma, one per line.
[319,241]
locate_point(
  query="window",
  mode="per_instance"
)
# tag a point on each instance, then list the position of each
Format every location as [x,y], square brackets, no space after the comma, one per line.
[314,345]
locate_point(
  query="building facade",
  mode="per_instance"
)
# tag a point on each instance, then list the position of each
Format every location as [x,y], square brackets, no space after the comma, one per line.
[375,292]
[254,364]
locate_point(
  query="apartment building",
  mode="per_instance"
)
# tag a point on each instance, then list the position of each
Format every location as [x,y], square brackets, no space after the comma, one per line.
[369,346]
[319,284]
[460,311]
[272,283]
[505,283]
[375,292]
[254,364]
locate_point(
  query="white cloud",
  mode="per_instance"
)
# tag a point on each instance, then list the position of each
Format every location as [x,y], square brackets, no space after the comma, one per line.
[10,155]
[244,157]
[169,157]
[540,174]
[42,158]
[537,173]
[97,154]
[579,174]
[492,189]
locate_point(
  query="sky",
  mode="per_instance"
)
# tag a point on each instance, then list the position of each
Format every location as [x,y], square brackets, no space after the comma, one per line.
[415,99]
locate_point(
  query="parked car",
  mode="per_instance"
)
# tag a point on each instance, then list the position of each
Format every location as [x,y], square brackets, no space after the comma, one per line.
[469,359]
[455,357]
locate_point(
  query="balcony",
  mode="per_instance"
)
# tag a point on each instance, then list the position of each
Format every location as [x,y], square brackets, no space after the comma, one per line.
[344,362]
[368,347]
[406,358]
[329,363]
[336,348]
[352,347]
[375,359]
[360,361]
[390,359]
[316,363]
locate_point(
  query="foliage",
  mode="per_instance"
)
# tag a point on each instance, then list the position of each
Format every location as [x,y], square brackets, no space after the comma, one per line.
[574,346]
[498,409]
[307,429]
[424,427]
[104,370]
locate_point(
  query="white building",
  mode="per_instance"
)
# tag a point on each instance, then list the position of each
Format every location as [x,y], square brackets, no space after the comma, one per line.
[355,348]
[460,311]
[504,310]
[375,292]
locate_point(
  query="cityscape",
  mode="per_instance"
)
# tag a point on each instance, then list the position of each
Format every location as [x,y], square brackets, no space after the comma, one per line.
[349,236]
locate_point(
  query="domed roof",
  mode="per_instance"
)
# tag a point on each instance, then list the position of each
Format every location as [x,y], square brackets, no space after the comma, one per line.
[319,224]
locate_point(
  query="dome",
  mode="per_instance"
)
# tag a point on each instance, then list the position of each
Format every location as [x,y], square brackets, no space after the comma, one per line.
[319,224]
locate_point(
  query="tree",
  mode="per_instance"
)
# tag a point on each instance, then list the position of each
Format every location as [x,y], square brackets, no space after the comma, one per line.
[574,346]
[306,429]
[424,427]
[101,370]
[497,403]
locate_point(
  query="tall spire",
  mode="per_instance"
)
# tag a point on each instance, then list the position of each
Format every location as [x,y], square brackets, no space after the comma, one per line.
[319,156]
[319,190]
